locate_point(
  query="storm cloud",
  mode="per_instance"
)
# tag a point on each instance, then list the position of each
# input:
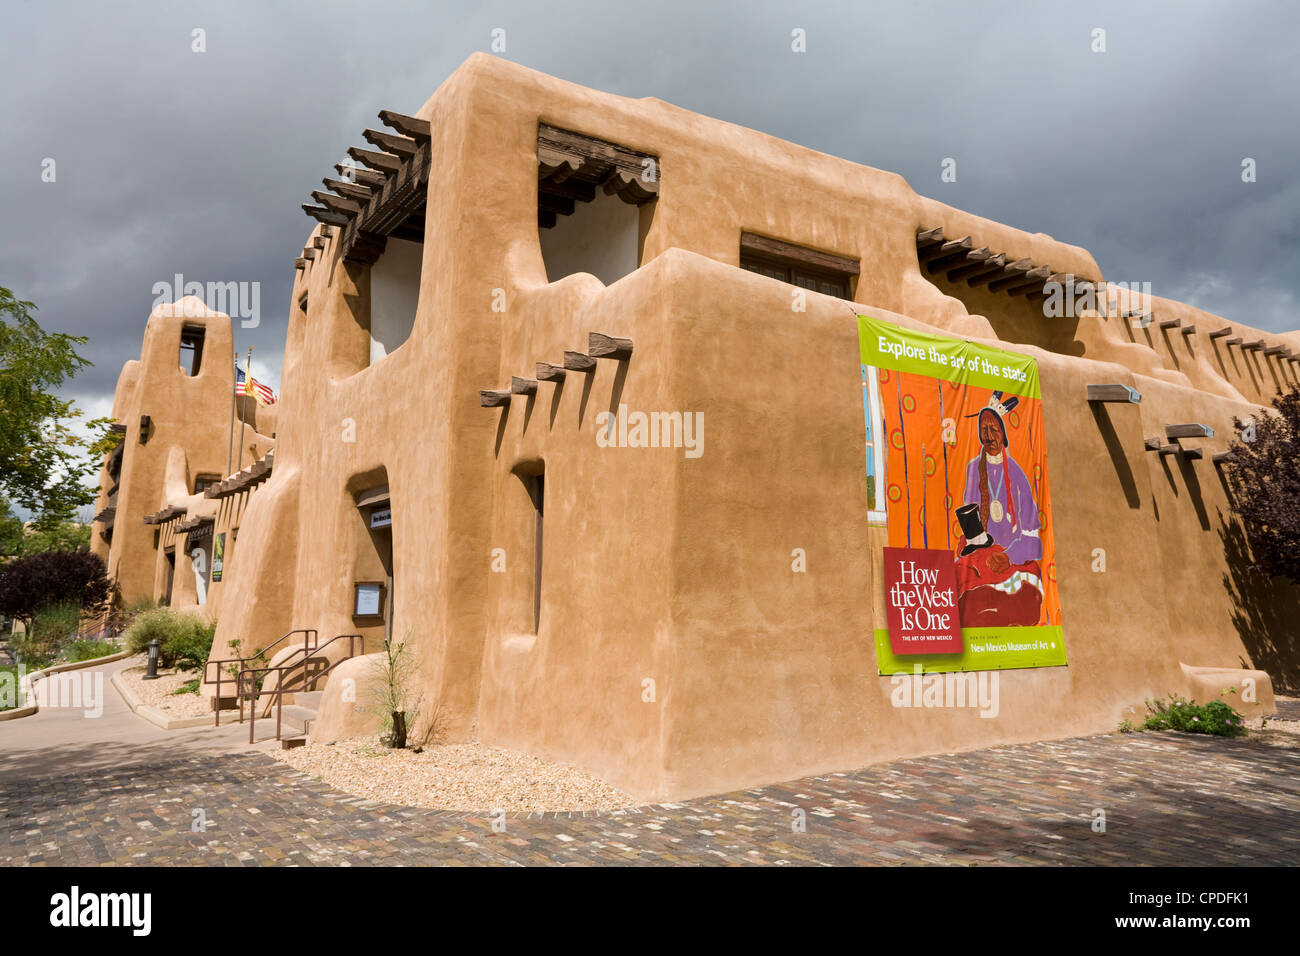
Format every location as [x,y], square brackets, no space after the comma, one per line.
[174,161]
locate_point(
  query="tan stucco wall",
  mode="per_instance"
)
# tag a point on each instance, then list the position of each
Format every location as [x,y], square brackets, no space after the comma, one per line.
[678,571]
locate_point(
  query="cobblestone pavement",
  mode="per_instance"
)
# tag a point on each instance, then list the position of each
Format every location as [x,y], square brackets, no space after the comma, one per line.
[1167,798]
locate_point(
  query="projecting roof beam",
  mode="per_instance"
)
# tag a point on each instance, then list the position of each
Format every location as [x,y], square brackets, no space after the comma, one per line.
[1114,393]
[946,262]
[1012,274]
[1032,282]
[385,163]
[1220,333]
[547,372]
[346,207]
[401,146]
[607,346]
[978,267]
[417,129]
[493,398]
[361,175]
[1189,430]
[579,362]
[355,191]
[321,214]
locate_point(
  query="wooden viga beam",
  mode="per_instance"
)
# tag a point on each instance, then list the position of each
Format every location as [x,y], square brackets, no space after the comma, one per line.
[361,175]
[321,214]
[579,362]
[1188,430]
[556,165]
[522,386]
[1254,346]
[1152,444]
[402,146]
[1170,324]
[546,372]
[957,257]
[607,346]
[1220,333]
[345,207]
[361,193]
[1032,282]
[1014,272]
[1222,457]
[493,398]
[950,250]
[1275,350]
[417,129]
[977,265]
[928,237]
[990,270]
[1114,393]
[385,163]
[300,263]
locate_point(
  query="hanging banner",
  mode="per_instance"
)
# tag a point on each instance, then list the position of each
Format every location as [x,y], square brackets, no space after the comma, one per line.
[957,475]
[218,557]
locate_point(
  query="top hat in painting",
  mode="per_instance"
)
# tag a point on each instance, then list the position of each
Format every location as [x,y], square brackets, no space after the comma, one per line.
[999,408]
[968,516]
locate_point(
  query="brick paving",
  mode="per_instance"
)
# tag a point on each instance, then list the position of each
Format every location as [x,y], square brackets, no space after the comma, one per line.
[1168,799]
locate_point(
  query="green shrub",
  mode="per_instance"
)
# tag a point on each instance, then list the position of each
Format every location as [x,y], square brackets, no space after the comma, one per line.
[185,639]
[51,629]
[189,687]
[1178,713]
[85,650]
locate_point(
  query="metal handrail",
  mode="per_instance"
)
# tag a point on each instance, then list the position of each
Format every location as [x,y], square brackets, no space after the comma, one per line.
[247,686]
[309,634]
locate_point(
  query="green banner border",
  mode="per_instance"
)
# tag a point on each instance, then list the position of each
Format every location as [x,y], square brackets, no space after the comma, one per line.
[949,359]
[1052,655]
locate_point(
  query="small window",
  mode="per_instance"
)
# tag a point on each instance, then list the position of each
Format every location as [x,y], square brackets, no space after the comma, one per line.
[806,268]
[203,482]
[191,356]
[302,303]
[537,491]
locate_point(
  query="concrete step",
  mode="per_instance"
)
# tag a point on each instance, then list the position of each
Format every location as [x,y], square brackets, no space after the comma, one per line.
[308,698]
[294,719]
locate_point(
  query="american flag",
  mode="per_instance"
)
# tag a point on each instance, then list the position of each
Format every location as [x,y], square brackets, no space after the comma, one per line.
[253,387]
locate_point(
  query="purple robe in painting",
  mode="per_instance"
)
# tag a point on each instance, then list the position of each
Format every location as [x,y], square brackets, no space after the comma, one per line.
[1021,543]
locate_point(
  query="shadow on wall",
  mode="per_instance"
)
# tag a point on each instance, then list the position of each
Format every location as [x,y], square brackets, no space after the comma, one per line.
[1265,611]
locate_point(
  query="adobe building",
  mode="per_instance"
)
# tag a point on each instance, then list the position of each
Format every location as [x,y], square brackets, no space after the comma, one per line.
[520,274]
[181,426]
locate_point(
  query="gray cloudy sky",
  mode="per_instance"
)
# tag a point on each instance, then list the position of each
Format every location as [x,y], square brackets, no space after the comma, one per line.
[171,161]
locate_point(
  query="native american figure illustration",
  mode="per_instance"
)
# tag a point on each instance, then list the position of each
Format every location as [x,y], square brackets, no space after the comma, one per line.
[999,579]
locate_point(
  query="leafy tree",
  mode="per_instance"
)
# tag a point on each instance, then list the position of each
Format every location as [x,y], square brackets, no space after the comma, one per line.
[1265,480]
[53,577]
[43,462]
[16,541]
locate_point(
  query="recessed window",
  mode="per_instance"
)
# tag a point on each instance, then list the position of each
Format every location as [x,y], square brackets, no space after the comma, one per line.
[191,354]
[595,203]
[806,268]
[203,482]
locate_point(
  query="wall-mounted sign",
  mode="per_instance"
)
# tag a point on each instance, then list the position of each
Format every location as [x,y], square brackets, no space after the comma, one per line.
[218,557]
[957,473]
[381,518]
[369,600]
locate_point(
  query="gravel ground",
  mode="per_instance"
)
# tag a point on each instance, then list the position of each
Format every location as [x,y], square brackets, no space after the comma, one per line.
[467,777]
[158,693]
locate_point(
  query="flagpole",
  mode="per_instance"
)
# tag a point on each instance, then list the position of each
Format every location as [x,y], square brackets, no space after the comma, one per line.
[248,381]
[234,391]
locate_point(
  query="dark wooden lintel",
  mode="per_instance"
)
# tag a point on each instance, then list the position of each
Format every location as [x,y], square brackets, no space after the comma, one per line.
[755,244]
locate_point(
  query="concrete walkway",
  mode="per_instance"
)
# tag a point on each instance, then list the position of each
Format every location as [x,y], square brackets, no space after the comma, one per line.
[68,739]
